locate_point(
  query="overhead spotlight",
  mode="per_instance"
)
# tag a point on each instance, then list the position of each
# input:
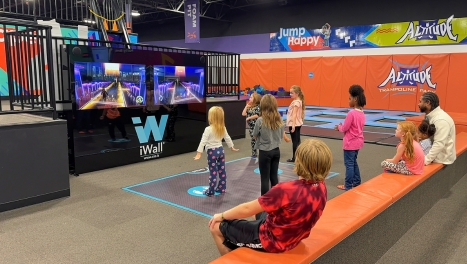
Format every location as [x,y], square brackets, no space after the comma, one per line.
[90,21]
[135,13]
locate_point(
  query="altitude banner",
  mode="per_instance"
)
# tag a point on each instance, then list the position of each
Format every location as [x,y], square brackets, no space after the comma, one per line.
[424,32]
[192,13]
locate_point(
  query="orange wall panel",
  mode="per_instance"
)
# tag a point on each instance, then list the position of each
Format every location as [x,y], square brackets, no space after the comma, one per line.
[377,71]
[456,93]
[294,72]
[325,80]
[405,97]
[310,80]
[247,73]
[284,101]
[331,81]
[437,65]
[263,74]
[279,74]
[353,72]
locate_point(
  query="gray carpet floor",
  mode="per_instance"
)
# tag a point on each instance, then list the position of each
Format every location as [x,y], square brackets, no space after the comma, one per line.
[101,223]
[440,236]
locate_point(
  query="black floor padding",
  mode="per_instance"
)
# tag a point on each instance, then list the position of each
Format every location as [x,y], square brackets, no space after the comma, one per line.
[243,185]
[391,141]
[379,129]
[387,120]
[330,133]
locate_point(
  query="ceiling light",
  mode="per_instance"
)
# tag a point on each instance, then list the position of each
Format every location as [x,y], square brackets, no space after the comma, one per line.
[135,13]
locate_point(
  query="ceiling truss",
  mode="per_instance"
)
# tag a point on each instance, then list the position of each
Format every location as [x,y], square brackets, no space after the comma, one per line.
[77,11]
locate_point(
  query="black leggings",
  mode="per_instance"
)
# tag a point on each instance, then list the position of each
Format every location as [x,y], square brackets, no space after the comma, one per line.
[295,139]
[268,167]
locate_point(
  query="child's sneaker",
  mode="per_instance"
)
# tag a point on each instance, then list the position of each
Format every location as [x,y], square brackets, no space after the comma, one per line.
[205,192]
[342,187]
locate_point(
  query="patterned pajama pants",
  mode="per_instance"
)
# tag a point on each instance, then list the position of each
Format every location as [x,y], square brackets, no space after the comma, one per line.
[216,164]
[399,167]
[253,141]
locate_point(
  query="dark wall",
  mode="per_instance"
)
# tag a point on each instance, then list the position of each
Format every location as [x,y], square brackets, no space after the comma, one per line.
[234,121]
[311,15]
[34,164]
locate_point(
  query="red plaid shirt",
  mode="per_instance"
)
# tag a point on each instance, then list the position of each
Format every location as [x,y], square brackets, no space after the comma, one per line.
[293,209]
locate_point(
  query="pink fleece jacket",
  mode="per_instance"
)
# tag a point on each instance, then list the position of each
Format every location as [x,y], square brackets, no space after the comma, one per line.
[353,130]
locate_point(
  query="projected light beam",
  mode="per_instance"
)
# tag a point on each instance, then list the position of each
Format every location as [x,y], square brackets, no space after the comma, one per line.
[112,69]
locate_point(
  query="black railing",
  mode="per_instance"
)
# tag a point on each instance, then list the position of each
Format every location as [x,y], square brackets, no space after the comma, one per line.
[68,10]
[28,53]
[39,78]
[222,69]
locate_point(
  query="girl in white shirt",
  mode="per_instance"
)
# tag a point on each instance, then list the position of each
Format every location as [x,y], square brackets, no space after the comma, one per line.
[212,140]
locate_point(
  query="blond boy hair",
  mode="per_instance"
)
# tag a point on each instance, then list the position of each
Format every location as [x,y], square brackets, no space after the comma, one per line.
[313,160]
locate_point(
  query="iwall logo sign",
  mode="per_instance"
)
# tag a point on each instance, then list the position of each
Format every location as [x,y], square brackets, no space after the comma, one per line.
[153,150]
[406,79]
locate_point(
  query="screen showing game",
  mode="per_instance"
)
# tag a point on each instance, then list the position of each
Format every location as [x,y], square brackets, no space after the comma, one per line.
[178,85]
[104,85]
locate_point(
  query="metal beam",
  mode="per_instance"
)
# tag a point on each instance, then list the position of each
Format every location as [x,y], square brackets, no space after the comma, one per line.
[145,5]
[180,5]
[213,1]
[181,12]
[248,5]
[156,20]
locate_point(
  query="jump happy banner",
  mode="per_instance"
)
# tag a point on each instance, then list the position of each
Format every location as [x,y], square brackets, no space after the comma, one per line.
[424,32]
[192,14]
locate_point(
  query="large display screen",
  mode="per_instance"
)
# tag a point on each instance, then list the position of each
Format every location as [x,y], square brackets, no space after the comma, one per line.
[178,85]
[104,85]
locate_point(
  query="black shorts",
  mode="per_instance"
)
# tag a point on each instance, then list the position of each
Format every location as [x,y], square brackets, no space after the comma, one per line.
[242,233]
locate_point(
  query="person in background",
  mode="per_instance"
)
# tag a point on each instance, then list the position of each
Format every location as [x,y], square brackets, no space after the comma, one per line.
[295,117]
[212,140]
[444,141]
[113,118]
[425,134]
[252,111]
[172,110]
[409,156]
[288,211]
[268,132]
[353,136]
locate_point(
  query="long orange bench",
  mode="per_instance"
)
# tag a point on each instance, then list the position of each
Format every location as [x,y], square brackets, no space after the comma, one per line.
[343,215]
[460,120]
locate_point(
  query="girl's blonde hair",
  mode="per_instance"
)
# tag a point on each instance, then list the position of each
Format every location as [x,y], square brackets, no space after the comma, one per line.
[271,117]
[409,130]
[216,121]
[256,99]
[313,160]
[300,95]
